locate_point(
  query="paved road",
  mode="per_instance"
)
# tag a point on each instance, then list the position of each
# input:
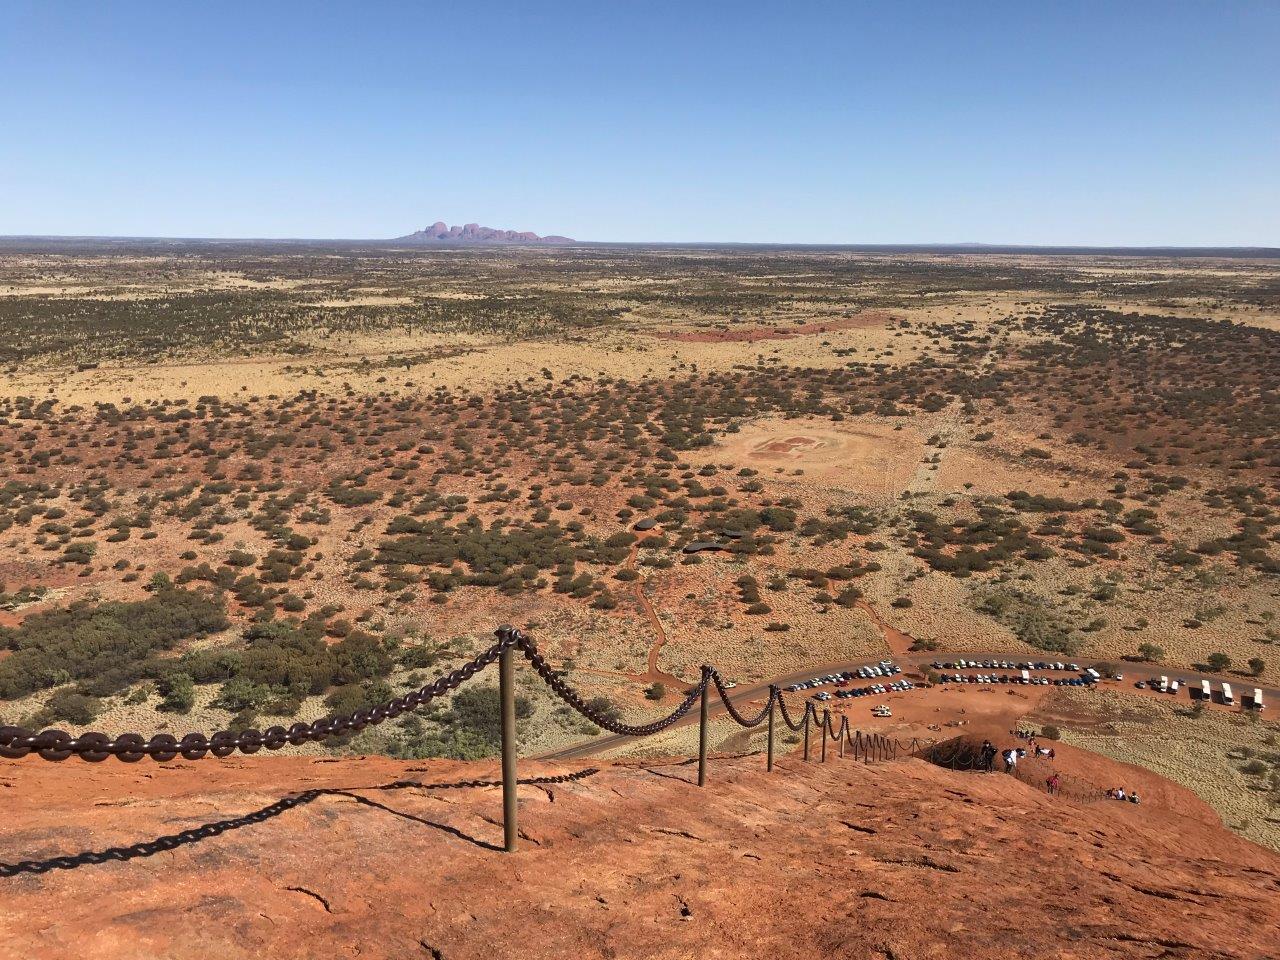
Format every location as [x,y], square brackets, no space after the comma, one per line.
[909,661]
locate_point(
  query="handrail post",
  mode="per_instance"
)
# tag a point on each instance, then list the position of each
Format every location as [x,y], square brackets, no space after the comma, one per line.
[807,711]
[702,728]
[844,726]
[826,730]
[507,694]
[773,696]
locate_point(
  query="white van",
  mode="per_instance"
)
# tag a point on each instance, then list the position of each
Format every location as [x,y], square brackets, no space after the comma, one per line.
[1227,697]
[1206,691]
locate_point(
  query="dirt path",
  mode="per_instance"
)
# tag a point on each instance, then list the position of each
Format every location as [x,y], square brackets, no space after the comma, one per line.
[652,674]
[897,641]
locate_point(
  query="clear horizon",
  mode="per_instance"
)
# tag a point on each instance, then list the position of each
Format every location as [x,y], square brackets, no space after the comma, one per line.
[824,124]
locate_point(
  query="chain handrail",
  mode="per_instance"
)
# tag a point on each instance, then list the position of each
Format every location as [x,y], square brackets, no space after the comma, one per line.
[16,742]
[786,715]
[732,710]
[56,745]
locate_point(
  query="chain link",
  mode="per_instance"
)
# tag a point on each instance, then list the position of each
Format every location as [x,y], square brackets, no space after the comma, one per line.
[17,742]
[786,715]
[570,696]
[732,710]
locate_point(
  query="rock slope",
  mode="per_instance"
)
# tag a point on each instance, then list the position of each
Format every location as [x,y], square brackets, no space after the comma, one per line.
[890,860]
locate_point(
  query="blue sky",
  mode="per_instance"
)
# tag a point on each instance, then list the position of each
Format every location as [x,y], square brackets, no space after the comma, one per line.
[1044,123]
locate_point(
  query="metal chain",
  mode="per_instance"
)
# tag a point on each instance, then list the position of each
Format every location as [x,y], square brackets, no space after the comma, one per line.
[570,696]
[786,716]
[16,742]
[732,710]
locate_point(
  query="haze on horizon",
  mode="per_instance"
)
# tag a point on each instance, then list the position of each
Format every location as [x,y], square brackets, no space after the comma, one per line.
[1143,125]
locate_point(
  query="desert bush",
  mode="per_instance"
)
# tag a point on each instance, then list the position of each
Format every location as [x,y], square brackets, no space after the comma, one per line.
[105,646]
[178,693]
[70,706]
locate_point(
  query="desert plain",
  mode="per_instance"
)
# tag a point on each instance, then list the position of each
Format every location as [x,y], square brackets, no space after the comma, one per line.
[245,484]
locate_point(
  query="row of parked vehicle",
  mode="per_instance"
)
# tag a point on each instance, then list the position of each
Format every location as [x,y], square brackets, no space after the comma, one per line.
[1004,665]
[876,689]
[885,668]
[1025,677]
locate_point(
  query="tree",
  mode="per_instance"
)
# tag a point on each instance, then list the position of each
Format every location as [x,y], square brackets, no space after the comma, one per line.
[1257,666]
[1218,662]
[1150,652]
[1050,732]
[655,691]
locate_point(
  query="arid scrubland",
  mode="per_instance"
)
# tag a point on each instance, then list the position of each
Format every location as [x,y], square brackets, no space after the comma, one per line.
[240,484]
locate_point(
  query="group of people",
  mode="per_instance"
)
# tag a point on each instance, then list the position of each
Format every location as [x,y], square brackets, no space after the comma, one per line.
[1034,744]
[987,757]
[1119,794]
[1010,757]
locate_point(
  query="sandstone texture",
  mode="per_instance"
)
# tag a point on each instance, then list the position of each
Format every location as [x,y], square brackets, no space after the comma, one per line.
[372,857]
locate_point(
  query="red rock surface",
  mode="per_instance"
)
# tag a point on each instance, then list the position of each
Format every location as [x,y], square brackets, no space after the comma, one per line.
[897,859]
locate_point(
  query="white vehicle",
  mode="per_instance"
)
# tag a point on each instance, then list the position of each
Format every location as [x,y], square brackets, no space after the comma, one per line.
[1257,699]
[1163,685]
[1227,697]
[1173,687]
[1026,676]
[1094,673]
[1206,691]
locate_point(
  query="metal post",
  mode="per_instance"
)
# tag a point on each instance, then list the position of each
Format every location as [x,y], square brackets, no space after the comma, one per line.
[773,696]
[843,727]
[807,712]
[702,731]
[507,693]
[826,729]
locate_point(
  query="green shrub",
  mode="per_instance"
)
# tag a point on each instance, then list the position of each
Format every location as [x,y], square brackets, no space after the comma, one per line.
[106,646]
[178,693]
[70,706]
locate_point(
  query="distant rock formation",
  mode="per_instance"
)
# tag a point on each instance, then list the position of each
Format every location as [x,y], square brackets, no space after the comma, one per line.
[441,232]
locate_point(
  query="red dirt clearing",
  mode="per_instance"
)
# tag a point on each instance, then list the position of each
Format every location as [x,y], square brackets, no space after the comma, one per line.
[860,321]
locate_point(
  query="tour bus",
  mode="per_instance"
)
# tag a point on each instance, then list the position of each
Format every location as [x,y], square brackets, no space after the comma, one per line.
[1026,676]
[1206,691]
[1094,674]
[1256,702]
[1173,687]
[1164,685]
[1227,696]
